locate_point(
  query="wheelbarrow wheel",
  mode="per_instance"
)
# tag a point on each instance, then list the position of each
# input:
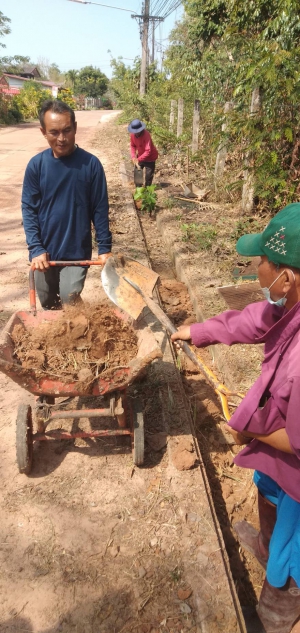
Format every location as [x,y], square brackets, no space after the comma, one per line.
[138,432]
[24,442]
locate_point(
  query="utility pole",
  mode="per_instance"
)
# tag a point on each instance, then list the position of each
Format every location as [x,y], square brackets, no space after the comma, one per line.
[145,19]
[144,48]
[153,42]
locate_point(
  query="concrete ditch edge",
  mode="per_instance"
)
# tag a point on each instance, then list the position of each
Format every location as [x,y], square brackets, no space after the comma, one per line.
[195,499]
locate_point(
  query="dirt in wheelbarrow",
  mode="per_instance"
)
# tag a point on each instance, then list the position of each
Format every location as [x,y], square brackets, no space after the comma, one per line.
[80,345]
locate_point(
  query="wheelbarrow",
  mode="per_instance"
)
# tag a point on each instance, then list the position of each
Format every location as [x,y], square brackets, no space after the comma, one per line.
[127,412]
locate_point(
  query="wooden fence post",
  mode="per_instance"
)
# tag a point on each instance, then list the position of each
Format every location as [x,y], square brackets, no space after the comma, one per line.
[180,117]
[196,122]
[248,186]
[172,115]
[222,151]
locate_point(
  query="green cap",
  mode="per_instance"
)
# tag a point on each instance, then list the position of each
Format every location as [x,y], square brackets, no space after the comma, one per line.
[280,241]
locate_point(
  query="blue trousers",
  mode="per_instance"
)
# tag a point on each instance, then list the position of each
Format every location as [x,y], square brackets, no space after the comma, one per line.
[284,548]
[59,285]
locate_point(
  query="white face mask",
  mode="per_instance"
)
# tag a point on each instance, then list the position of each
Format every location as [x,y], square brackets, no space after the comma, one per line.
[267,294]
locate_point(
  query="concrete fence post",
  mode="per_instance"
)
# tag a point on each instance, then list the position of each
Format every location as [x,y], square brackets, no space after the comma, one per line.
[180,117]
[222,151]
[248,186]
[196,123]
[172,115]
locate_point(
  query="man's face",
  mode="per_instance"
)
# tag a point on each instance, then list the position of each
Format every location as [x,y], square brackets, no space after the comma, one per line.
[60,132]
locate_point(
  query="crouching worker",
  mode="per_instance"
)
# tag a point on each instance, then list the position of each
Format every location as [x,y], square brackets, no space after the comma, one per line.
[267,421]
[143,151]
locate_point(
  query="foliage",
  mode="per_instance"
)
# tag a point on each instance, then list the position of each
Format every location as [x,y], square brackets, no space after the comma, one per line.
[200,235]
[148,197]
[14,64]
[71,78]
[91,82]
[243,226]
[30,99]
[223,51]
[65,95]
[9,114]
[4,27]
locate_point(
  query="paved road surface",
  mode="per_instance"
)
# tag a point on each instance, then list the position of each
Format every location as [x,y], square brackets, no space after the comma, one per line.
[17,145]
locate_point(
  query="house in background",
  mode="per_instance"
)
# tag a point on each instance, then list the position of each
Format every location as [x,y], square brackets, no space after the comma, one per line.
[12,84]
[30,72]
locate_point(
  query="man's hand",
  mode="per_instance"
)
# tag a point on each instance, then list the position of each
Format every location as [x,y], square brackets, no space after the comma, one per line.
[40,262]
[183,333]
[104,257]
[238,437]
[135,162]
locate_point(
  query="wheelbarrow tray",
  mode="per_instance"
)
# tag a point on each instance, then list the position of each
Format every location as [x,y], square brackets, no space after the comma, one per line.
[38,383]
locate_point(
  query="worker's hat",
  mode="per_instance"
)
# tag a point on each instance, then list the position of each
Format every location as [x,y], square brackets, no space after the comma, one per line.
[280,240]
[136,126]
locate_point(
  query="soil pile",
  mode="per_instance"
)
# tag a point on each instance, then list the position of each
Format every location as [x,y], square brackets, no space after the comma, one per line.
[79,345]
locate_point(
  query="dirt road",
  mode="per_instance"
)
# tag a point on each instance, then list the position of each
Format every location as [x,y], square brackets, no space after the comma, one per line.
[88,543]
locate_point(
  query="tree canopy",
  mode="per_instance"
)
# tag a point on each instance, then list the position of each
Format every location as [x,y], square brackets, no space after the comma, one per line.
[90,81]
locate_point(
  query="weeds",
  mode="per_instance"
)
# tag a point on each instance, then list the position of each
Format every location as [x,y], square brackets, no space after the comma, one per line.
[201,236]
[245,226]
[169,203]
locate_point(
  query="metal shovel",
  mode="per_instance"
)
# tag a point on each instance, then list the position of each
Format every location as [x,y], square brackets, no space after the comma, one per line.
[122,287]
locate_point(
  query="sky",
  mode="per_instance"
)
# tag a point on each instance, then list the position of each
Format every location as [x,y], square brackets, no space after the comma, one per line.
[74,35]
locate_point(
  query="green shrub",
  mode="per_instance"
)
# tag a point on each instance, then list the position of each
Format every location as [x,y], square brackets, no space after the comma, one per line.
[65,95]
[148,197]
[30,99]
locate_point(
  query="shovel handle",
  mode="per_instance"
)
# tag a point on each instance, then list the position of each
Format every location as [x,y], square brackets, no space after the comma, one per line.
[220,389]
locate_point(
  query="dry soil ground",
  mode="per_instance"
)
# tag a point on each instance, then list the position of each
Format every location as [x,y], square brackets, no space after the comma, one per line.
[90,544]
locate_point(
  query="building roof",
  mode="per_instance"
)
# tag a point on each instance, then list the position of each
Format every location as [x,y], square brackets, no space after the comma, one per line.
[29,69]
[49,84]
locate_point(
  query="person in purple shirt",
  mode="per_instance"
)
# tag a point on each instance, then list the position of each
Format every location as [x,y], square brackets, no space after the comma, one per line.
[267,422]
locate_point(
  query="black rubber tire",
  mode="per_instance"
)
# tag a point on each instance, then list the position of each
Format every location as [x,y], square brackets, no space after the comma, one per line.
[138,449]
[24,442]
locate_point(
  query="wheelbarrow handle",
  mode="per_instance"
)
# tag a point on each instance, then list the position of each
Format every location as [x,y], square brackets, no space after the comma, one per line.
[32,291]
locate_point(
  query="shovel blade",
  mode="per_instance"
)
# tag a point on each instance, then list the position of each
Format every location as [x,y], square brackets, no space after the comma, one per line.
[138,177]
[119,291]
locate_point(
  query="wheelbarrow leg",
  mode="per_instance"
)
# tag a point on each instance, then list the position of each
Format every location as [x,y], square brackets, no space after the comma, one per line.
[42,411]
[120,414]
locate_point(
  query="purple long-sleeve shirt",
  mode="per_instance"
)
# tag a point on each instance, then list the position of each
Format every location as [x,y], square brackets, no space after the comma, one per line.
[280,380]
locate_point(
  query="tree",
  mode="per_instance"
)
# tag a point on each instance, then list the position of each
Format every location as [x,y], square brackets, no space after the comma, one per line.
[91,82]
[13,65]
[54,73]
[71,78]
[4,27]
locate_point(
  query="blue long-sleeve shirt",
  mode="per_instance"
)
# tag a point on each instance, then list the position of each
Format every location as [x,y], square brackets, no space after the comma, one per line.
[60,199]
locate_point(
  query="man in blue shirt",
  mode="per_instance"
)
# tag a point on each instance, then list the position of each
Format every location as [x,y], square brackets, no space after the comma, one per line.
[64,191]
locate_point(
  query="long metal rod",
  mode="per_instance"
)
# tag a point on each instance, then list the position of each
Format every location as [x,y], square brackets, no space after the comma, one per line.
[61,435]
[82,413]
